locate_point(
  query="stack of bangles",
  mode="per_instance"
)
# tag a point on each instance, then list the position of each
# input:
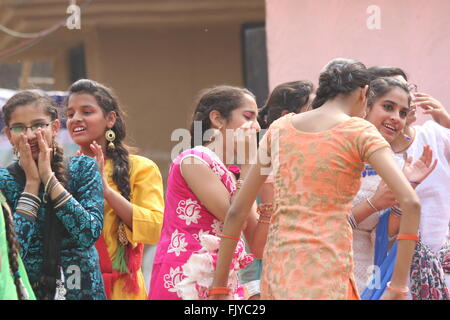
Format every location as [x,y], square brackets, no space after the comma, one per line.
[352,220]
[265,211]
[239,183]
[396,211]
[28,206]
[62,198]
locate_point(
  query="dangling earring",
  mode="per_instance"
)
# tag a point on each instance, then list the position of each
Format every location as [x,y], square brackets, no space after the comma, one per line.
[110,136]
[216,133]
[16,153]
[53,149]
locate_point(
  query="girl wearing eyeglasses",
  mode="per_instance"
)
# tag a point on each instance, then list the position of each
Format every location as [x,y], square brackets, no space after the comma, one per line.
[133,188]
[58,210]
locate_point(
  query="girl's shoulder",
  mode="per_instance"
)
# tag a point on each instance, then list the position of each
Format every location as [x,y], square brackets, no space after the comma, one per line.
[359,122]
[138,163]
[80,161]
[81,164]
[356,126]
[202,153]
[137,159]
[3,172]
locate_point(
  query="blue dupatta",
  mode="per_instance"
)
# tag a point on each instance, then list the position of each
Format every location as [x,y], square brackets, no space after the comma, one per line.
[384,261]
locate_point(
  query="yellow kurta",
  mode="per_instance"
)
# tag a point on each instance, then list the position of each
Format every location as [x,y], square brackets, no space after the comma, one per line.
[148,207]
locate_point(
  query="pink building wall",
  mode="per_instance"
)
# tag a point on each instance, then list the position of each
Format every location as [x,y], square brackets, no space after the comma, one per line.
[303,35]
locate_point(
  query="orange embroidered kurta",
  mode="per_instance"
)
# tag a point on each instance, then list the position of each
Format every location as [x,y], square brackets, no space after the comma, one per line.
[148,207]
[308,254]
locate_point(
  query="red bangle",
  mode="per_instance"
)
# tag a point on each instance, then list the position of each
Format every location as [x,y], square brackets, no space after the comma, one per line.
[218,291]
[407,237]
[404,291]
[230,237]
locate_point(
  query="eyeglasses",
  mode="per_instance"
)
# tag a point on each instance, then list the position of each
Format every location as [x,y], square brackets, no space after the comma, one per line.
[34,127]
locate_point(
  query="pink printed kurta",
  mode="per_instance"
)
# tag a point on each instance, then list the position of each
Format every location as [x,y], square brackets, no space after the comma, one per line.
[185,221]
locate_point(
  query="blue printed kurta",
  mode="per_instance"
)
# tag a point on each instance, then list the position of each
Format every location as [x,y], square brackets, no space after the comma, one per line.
[82,218]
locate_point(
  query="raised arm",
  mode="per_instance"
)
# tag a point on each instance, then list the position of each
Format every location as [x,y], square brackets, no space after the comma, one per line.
[234,223]
[383,162]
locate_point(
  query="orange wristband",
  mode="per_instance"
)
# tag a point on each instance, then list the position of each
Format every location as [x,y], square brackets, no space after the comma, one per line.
[218,291]
[407,237]
[230,237]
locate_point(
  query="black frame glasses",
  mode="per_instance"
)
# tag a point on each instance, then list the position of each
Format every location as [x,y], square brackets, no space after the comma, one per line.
[34,127]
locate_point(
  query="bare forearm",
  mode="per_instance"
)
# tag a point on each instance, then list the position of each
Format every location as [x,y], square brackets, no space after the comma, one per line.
[394,225]
[409,225]
[232,228]
[259,239]
[361,211]
[32,187]
[445,122]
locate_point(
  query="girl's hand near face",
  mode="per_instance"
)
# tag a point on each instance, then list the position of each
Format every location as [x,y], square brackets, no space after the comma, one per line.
[45,157]
[27,162]
[99,157]
[246,142]
[433,107]
[417,172]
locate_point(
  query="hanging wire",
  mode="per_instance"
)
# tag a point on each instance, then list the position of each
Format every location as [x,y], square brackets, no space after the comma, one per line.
[34,38]
[42,33]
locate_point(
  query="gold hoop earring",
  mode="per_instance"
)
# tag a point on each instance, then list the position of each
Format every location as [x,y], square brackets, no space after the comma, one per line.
[110,136]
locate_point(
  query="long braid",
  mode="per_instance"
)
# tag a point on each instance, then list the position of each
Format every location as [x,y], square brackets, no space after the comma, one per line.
[120,154]
[13,252]
[57,164]
[121,171]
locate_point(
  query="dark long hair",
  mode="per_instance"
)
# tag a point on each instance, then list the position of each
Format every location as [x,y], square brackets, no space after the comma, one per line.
[13,249]
[385,71]
[108,102]
[341,76]
[381,86]
[290,96]
[223,98]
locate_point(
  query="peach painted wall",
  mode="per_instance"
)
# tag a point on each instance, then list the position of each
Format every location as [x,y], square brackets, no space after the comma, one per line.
[303,35]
